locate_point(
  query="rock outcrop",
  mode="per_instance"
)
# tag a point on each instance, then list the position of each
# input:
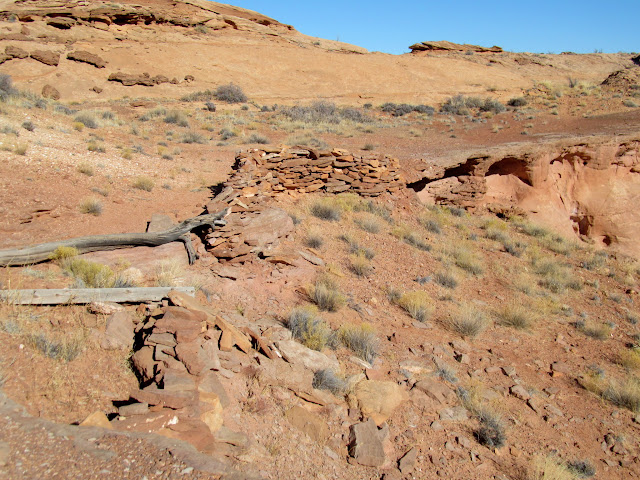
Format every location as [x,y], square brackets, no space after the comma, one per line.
[584,189]
[144,79]
[87,57]
[445,46]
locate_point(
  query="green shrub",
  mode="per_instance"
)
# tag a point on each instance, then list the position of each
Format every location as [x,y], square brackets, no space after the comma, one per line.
[517,102]
[314,241]
[462,105]
[370,225]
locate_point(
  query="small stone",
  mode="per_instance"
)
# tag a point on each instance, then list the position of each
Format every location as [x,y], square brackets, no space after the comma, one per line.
[520,392]
[309,423]
[119,332]
[133,409]
[509,371]
[5,452]
[408,461]
[454,414]
[96,419]
[331,454]
[464,442]
[365,446]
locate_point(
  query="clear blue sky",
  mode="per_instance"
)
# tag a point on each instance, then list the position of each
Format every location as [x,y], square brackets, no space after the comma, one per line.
[540,26]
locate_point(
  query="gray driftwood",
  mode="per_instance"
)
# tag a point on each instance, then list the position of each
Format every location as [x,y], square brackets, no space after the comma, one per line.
[42,252]
[51,296]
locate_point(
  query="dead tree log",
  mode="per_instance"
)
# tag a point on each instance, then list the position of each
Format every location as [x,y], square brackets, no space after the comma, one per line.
[42,252]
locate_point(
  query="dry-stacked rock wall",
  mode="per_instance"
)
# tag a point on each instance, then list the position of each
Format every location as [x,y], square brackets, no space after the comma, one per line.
[271,170]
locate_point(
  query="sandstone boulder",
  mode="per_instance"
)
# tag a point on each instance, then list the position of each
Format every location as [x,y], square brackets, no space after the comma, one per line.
[87,57]
[267,227]
[15,52]
[119,332]
[365,444]
[185,324]
[296,353]
[50,92]
[309,423]
[378,399]
[96,419]
[47,57]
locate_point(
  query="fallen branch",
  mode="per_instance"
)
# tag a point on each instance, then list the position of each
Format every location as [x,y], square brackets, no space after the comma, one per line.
[42,252]
[54,296]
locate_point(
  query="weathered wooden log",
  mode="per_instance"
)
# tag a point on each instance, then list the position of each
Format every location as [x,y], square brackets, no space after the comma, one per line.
[42,252]
[55,296]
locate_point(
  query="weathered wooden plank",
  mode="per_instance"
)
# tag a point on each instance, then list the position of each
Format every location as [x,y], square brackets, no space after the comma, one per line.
[58,296]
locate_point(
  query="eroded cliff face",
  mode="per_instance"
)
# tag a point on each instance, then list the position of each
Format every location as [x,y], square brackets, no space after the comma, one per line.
[588,190]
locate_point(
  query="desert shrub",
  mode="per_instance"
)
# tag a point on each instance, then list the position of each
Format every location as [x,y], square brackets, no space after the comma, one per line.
[327,379]
[323,112]
[227,133]
[417,304]
[21,148]
[87,274]
[462,105]
[312,331]
[6,87]
[193,137]
[86,119]
[143,183]
[581,468]
[555,277]
[200,96]
[629,103]
[599,331]
[355,248]
[624,394]
[361,340]
[175,117]
[326,209]
[530,229]
[307,140]
[314,240]
[469,321]
[464,259]
[370,225]
[257,138]
[517,102]
[368,147]
[361,266]
[445,279]
[326,294]
[66,349]
[550,468]
[491,432]
[91,206]
[411,237]
[374,208]
[432,225]
[230,93]
[399,110]
[95,147]
[446,373]
[167,273]
[29,125]
[515,316]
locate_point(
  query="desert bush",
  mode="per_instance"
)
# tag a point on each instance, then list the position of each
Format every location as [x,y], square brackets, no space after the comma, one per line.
[257,138]
[6,87]
[368,147]
[227,133]
[374,208]
[417,304]
[555,277]
[314,240]
[446,373]
[87,274]
[143,183]
[411,237]
[355,248]
[91,206]
[311,330]
[469,321]
[368,224]
[200,96]
[432,225]
[530,229]
[168,273]
[326,209]
[327,379]
[193,137]
[175,117]
[87,119]
[326,294]
[21,148]
[464,259]
[323,112]
[517,102]
[66,349]
[462,105]
[307,140]
[230,93]
[399,110]
[29,125]
[361,266]
[491,432]
[581,468]
[629,103]
[445,279]
[361,340]
[515,316]
[599,331]
[624,394]
[550,468]
[95,147]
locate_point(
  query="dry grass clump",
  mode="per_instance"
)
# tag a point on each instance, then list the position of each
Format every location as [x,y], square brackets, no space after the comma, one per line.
[598,331]
[411,237]
[91,206]
[515,316]
[326,209]
[327,379]
[88,274]
[555,276]
[361,340]
[65,349]
[326,294]
[368,224]
[468,322]
[355,248]
[314,240]
[143,183]
[418,304]
[629,358]
[21,148]
[491,430]
[549,468]
[168,273]
[625,393]
[361,266]
[311,330]
[86,169]
[445,279]
[466,260]
[230,93]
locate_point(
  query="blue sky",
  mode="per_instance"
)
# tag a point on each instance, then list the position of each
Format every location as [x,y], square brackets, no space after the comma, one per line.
[539,26]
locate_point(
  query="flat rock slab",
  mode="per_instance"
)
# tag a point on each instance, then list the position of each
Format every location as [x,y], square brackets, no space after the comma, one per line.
[309,423]
[378,399]
[296,353]
[365,444]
